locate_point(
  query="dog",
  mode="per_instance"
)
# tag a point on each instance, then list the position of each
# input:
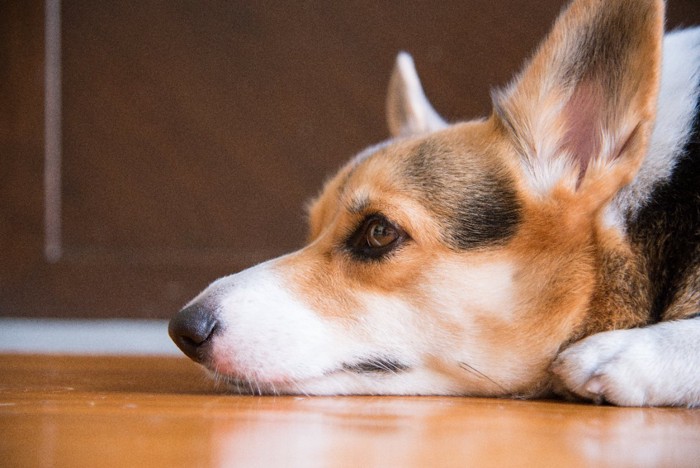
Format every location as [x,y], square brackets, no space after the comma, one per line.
[552,248]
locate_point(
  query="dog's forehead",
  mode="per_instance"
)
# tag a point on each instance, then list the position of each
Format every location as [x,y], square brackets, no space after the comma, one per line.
[448,173]
[472,195]
[410,164]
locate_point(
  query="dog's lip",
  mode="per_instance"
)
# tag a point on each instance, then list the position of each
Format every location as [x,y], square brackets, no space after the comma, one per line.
[376,365]
[368,366]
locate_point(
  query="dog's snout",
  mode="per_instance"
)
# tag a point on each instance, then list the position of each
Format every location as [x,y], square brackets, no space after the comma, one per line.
[191,329]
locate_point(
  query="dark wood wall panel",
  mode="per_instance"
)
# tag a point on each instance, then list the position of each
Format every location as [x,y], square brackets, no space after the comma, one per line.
[193,132]
[21,147]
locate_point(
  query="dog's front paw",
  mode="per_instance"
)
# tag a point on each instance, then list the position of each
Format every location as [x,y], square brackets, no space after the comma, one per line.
[619,367]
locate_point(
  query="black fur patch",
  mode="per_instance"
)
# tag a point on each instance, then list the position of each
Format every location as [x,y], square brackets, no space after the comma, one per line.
[380,365]
[477,204]
[667,228]
[604,45]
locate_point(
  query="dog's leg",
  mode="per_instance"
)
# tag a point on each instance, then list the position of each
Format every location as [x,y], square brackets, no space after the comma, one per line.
[656,366]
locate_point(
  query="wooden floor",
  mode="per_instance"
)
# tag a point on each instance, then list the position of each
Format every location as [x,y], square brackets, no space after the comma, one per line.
[134,411]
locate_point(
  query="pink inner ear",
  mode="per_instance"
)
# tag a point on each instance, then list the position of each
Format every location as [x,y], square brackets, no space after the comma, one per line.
[582,118]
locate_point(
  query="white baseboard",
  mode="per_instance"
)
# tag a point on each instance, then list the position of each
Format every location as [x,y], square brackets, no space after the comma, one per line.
[67,336]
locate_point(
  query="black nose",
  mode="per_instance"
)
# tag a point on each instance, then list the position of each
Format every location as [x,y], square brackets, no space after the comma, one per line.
[191,328]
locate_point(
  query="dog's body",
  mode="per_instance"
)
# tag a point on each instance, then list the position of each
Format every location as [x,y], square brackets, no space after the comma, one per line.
[553,246]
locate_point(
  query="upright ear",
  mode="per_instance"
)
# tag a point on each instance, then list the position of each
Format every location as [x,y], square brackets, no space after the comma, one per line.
[581,112]
[408,110]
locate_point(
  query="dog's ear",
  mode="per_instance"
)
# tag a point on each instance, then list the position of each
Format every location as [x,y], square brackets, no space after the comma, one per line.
[581,112]
[408,110]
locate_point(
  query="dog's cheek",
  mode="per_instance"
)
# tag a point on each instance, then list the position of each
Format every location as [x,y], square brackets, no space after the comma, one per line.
[479,311]
[471,291]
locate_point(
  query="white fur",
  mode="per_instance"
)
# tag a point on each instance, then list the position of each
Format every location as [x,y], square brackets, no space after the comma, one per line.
[657,365]
[549,172]
[486,289]
[266,333]
[389,327]
[677,105]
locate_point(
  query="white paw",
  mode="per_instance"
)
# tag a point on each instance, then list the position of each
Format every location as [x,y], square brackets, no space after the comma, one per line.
[620,367]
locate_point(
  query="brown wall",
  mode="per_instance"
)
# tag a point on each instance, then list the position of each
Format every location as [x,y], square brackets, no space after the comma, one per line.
[194,131]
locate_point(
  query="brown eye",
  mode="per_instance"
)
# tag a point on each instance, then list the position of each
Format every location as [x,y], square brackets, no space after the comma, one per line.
[379,234]
[375,238]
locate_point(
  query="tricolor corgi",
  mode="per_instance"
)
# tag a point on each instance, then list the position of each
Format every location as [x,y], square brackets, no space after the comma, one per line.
[550,248]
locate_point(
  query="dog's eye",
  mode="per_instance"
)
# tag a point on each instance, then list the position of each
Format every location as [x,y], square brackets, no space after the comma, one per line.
[375,237]
[379,234]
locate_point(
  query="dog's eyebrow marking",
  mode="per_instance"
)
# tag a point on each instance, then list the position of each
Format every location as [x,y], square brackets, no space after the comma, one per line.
[478,205]
[358,204]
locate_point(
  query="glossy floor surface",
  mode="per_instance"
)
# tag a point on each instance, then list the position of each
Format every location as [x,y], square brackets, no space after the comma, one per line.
[161,411]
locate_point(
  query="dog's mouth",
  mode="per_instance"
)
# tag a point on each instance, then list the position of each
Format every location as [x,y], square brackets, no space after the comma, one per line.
[371,366]
[376,365]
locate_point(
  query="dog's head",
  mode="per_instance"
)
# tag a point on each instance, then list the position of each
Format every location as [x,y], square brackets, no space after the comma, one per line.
[452,259]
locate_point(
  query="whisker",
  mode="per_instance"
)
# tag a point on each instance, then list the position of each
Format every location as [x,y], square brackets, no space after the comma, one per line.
[257,386]
[478,373]
[300,389]
[249,382]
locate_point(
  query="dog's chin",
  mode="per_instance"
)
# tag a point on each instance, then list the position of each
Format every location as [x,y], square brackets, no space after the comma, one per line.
[347,380]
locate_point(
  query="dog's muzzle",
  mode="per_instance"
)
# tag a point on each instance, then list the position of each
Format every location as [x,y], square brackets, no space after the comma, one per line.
[192,329]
